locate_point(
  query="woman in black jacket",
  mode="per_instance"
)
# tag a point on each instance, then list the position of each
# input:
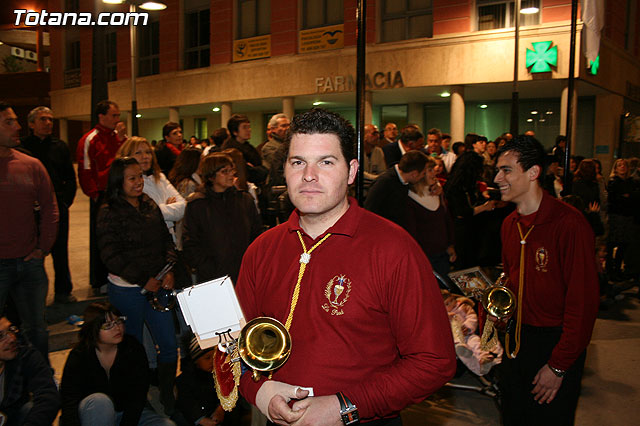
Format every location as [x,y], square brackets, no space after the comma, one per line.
[105,378]
[219,227]
[620,207]
[135,245]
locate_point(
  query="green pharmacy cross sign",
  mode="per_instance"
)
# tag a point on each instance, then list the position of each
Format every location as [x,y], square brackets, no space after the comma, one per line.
[594,66]
[542,57]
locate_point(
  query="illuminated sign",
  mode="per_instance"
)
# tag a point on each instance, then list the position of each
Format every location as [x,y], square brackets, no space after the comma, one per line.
[325,38]
[247,49]
[542,57]
[594,66]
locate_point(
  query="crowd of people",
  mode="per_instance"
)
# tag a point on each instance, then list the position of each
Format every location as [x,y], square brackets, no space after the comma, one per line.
[169,214]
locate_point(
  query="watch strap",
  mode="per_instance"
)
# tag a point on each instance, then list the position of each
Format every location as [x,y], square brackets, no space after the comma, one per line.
[348,410]
[557,371]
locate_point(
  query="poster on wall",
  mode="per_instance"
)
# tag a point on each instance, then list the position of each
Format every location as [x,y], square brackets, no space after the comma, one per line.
[324,38]
[247,49]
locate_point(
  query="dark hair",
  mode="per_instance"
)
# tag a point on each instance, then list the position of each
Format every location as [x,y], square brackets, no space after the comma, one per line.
[169,127]
[4,106]
[560,138]
[220,135]
[411,133]
[445,136]
[186,164]
[235,121]
[413,160]
[102,107]
[95,315]
[116,178]
[212,164]
[471,139]
[466,171]
[586,171]
[530,152]
[575,201]
[437,132]
[321,121]
[456,147]
[482,139]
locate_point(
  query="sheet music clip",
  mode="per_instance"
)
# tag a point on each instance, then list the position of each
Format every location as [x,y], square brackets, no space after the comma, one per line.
[227,344]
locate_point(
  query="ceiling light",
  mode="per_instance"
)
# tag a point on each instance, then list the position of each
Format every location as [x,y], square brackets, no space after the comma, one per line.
[215,109]
[529,10]
[534,112]
[316,103]
[529,120]
[113,1]
[153,5]
[445,94]
[138,115]
[542,120]
[483,106]
[549,112]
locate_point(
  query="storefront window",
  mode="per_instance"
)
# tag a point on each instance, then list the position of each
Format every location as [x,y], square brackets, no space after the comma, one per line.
[321,13]
[254,18]
[406,19]
[494,14]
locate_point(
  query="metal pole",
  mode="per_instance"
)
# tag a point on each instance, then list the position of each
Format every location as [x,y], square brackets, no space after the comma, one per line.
[514,93]
[570,96]
[361,40]
[133,38]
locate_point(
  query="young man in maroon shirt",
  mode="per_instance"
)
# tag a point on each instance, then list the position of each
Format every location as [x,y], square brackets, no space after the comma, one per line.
[548,254]
[368,327]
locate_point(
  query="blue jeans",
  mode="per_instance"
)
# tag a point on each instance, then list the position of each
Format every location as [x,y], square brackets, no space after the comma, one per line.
[27,284]
[138,311]
[97,410]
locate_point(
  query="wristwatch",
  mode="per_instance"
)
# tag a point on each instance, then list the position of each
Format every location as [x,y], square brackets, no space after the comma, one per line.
[557,371]
[348,411]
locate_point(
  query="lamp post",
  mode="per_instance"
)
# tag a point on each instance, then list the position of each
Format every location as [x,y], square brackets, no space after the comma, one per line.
[133,41]
[514,94]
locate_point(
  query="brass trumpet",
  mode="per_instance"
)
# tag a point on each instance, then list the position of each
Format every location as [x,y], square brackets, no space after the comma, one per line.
[264,344]
[499,302]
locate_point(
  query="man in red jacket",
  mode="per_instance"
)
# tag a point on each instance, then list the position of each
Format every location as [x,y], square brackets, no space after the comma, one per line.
[95,153]
[369,331]
[548,254]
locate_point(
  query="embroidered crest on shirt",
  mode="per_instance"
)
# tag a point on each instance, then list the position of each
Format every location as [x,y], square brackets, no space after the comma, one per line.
[337,293]
[542,258]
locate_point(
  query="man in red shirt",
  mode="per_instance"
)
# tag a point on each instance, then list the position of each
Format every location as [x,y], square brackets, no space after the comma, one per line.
[369,331]
[95,153]
[548,254]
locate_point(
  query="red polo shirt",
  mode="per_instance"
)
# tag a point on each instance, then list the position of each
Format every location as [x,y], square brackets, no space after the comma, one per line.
[384,341]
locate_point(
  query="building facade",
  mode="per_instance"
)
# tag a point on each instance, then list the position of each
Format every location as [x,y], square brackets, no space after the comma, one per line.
[438,63]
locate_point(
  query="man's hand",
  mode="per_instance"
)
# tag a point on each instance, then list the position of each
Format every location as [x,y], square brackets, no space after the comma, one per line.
[152,285]
[319,411]
[121,131]
[546,385]
[35,254]
[451,251]
[168,281]
[435,189]
[272,400]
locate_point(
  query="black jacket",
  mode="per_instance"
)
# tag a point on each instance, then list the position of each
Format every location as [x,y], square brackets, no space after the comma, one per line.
[28,376]
[388,197]
[126,385]
[134,244]
[56,157]
[196,392]
[166,158]
[217,231]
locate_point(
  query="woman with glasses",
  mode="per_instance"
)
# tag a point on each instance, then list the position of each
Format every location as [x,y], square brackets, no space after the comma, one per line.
[135,246]
[219,227]
[105,378]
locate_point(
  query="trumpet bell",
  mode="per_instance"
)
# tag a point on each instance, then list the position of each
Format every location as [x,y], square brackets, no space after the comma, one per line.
[499,301]
[264,344]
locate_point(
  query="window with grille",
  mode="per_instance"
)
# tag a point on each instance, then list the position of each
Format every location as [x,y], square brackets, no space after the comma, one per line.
[254,18]
[406,19]
[196,39]
[149,49]
[322,13]
[493,14]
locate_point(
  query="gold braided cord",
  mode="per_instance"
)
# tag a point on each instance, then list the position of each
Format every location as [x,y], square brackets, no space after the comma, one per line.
[303,266]
[523,241]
